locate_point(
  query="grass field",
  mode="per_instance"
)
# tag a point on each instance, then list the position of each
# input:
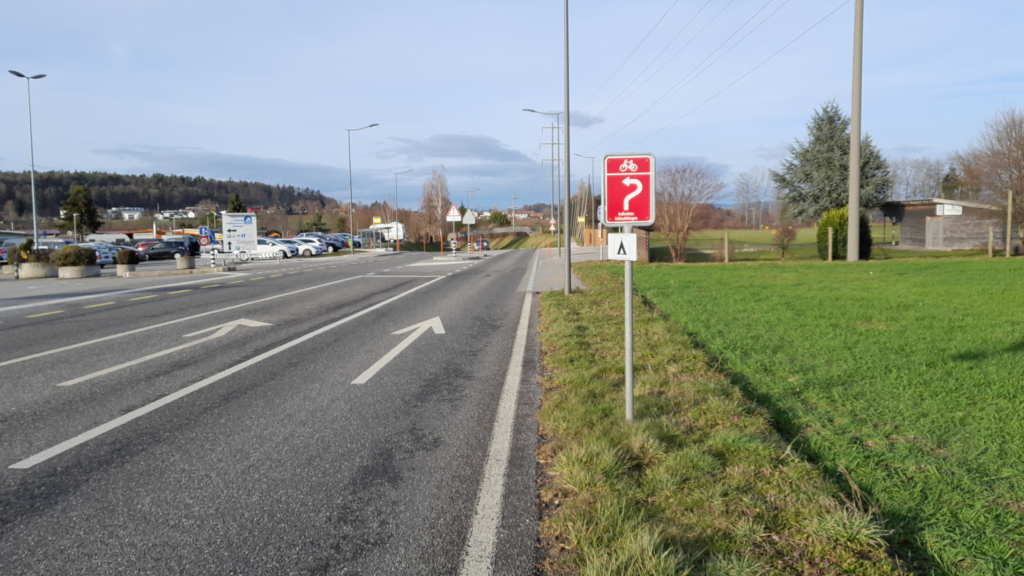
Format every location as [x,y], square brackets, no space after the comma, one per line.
[907,374]
[699,483]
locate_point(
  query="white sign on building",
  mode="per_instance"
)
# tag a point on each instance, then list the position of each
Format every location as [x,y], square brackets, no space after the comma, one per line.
[239,232]
[948,210]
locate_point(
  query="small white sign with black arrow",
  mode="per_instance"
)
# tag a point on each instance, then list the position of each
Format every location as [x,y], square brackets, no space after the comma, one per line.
[417,331]
[622,247]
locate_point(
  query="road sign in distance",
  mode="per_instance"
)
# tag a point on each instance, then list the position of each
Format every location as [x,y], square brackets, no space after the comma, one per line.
[469,219]
[376,219]
[453,214]
[622,247]
[204,240]
[627,197]
[581,219]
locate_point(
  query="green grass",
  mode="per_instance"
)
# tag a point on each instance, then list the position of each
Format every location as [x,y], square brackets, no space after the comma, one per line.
[907,373]
[699,483]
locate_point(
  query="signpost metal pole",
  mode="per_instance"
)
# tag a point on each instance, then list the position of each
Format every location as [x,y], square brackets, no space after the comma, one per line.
[568,161]
[629,335]
[853,230]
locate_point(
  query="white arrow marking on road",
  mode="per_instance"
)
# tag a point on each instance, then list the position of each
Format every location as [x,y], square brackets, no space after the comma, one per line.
[631,195]
[420,328]
[221,330]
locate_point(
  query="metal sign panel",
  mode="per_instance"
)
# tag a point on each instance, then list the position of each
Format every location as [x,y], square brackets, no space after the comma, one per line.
[948,210]
[376,219]
[627,197]
[469,219]
[240,232]
[453,214]
[622,247]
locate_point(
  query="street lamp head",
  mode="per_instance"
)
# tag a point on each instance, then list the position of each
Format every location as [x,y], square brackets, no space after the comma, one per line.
[37,76]
[363,128]
[16,73]
[406,172]
[530,110]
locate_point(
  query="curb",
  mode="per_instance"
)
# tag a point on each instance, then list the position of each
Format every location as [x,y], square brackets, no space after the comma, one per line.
[155,273]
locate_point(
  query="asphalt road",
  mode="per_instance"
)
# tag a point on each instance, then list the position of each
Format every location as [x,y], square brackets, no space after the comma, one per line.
[212,426]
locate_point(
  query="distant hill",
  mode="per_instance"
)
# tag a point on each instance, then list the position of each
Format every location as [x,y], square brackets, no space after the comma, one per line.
[167,192]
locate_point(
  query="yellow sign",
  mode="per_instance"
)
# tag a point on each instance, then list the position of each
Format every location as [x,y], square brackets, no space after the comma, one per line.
[376,219]
[581,219]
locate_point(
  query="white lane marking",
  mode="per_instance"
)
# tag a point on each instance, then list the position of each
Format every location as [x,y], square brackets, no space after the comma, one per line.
[223,329]
[169,322]
[209,278]
[401,276]
[418,330]
[478,557]
[449,263]
[116,422]
[533,275]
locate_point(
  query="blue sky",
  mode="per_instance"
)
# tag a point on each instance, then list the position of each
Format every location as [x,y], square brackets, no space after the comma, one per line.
[263,91]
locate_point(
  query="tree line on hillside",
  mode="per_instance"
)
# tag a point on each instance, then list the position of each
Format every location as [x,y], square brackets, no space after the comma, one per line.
[146,191]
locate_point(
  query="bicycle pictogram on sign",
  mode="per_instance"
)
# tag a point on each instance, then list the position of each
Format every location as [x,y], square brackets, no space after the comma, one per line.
[628,166]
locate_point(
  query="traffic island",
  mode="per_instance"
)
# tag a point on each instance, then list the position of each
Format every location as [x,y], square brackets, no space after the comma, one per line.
[156,273]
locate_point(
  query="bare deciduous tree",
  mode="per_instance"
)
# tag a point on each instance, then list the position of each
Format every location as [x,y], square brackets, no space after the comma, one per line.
[435,201]
[917,178]
[750,187]
[682,191]
[994,165]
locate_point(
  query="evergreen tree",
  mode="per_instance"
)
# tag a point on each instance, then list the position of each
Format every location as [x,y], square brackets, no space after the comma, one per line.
[341,224]
[79,201]
[815,178]
[499,219]
[951,185]
[317,224]
[235,205]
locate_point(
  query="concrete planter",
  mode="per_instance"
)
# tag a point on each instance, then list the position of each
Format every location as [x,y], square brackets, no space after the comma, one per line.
[8,270]
[34,270]
[72,272]
[123,269]
[186,263]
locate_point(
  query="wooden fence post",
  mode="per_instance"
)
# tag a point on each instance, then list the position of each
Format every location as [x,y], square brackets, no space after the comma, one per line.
[829,243]
[991,237]
[1009,221]
[726,246]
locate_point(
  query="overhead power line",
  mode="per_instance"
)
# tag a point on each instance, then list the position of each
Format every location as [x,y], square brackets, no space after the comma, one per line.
[751,71]
[615,100]
[683,82]
[616,71]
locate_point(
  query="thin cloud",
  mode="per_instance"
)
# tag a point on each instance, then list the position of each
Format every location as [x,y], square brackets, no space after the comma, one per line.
[772,153]
[457,147]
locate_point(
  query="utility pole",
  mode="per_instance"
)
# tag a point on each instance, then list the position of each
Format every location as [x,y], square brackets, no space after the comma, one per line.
[565,213]
[554,206]
[513,199]
[853,230]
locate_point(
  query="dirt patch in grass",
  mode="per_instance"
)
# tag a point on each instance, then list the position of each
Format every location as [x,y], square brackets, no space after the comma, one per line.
[699,483]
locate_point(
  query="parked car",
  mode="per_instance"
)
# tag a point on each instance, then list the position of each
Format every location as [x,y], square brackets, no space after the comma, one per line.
[3,254]
[190,241]
[304,248]
[144,244]
[341,239]
[141,253]
[313,241]
[167,249]
[348,238]
[105,254]
[481,244]
[275,247]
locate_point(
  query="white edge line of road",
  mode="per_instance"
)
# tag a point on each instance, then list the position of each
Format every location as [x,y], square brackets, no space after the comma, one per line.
[478,556]
[104,428]
[169,322]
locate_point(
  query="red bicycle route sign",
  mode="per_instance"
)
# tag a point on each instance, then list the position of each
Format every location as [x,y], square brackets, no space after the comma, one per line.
[628,191]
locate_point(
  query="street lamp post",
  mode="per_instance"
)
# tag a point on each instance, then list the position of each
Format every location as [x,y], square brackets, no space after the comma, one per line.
[396,192]
[853,210]
[558,127]
[568,161]
[32,153]
[351,212]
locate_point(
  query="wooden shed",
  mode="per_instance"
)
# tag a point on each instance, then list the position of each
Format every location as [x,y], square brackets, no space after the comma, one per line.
[939,224]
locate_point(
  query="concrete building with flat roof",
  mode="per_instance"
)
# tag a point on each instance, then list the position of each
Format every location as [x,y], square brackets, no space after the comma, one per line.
[939,224]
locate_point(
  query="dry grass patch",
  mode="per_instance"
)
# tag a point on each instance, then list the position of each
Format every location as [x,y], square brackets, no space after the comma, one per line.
[699,483]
